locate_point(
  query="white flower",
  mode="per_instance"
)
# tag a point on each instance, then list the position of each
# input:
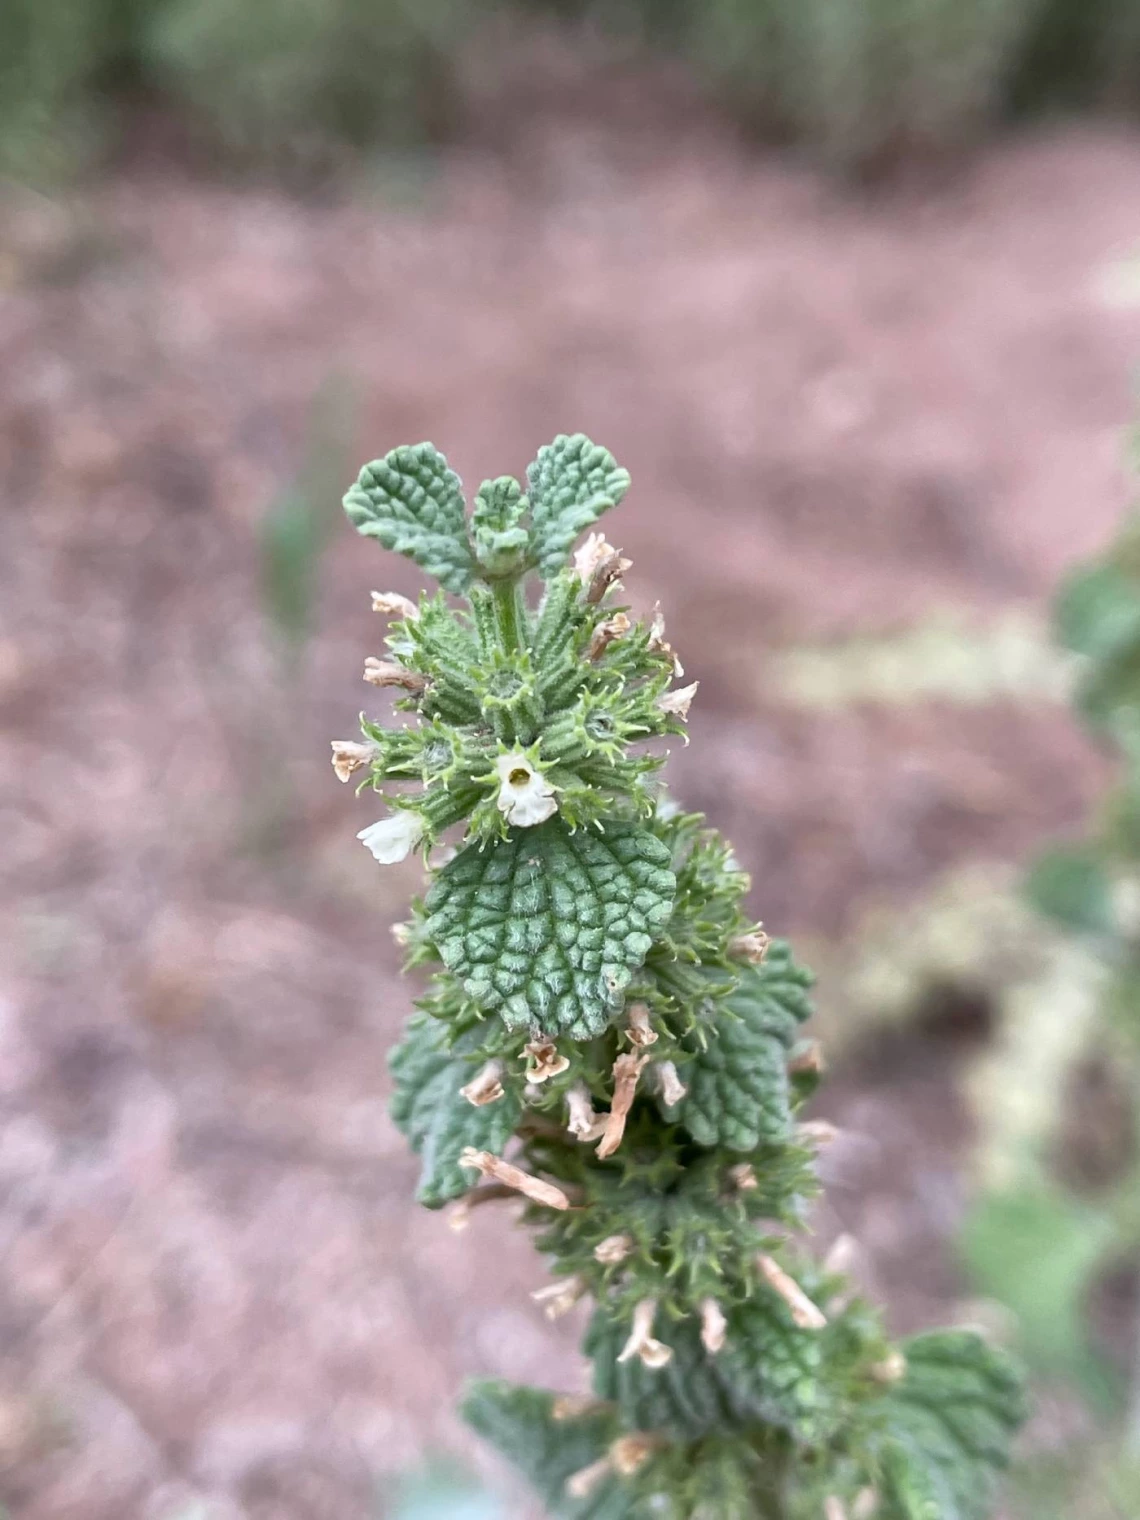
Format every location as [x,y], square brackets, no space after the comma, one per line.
[677,703]
[594,552]
[349,756]
[486,1086]
[390,673]
[669,1084]
[544,1060]
[598,565]
[391,604]
[525,795]
[714,1326]
[652,1353]
[394,838]
[612,1251]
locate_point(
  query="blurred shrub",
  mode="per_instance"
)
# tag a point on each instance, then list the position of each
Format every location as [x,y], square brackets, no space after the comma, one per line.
[285,81]
[862,83]
[297,82]
[1062,1210]
[304,76]
[863,80]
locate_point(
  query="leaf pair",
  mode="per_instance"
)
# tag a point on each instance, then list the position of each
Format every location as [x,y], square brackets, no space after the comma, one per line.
[412,502]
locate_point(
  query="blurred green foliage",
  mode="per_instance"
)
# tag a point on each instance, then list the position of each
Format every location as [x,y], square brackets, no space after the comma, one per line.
[301,84]
[1050,1230]
[863,83]
[288,83]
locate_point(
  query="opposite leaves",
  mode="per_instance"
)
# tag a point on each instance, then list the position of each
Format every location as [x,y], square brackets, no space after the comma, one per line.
[547,927]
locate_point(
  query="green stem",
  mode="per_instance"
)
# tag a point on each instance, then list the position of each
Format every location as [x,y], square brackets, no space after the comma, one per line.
[510,614]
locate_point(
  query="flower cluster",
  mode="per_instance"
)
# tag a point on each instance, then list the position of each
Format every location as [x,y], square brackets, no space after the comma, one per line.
[519,713]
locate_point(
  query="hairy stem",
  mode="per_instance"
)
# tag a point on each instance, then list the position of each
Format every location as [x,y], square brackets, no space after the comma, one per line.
[509,613]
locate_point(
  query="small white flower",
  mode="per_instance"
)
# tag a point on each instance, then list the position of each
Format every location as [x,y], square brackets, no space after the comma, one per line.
[544,1060]
[394,838]
[612,1251]
[560,1297]
[669,1084]
[391,604]
[582,1122]
[525,795]
[390,673]
[714,1326]
[486,1086]
[658,643]
[677,703]
[752,947]
[599,565]
[349,756]
[592,553]
[652,1353]
[605,633]
[640,1030]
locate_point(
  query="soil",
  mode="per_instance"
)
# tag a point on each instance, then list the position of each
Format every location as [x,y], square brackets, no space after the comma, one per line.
[841,412]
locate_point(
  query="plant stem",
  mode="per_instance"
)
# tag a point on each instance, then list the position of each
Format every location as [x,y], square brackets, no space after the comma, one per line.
[509,612]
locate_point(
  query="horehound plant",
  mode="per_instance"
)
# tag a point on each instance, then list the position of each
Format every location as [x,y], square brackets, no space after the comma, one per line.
[609,1040]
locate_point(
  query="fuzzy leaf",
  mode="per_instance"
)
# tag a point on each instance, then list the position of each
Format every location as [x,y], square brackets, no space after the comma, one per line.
[547,927]
[500,538]
[572,482]
[949,1425]
[439,1122]
[413,503]
[739,1092]
[520,1423]
[769,1371]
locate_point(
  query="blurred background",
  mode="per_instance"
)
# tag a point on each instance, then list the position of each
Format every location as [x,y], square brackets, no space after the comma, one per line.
[852,287]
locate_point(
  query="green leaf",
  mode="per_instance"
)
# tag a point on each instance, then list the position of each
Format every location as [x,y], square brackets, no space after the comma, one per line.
[948,1428]
[413,503]
[1097,611]
[439,1122]
[739,1093]
[501,540]
[1070,885]
[1037,1251]
[547,927]
[572,482]
[770,1371]
[520,1423]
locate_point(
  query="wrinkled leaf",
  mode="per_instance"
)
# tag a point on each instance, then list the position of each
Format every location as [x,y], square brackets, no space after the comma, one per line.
[547,927]
[948,1428]
[439,1122]
[769,1371]
[739,1094]
[572,482]
[497,529]
[413,504]
[520,1423]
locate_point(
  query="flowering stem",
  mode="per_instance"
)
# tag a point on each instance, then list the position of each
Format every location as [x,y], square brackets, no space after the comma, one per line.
[509,611]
